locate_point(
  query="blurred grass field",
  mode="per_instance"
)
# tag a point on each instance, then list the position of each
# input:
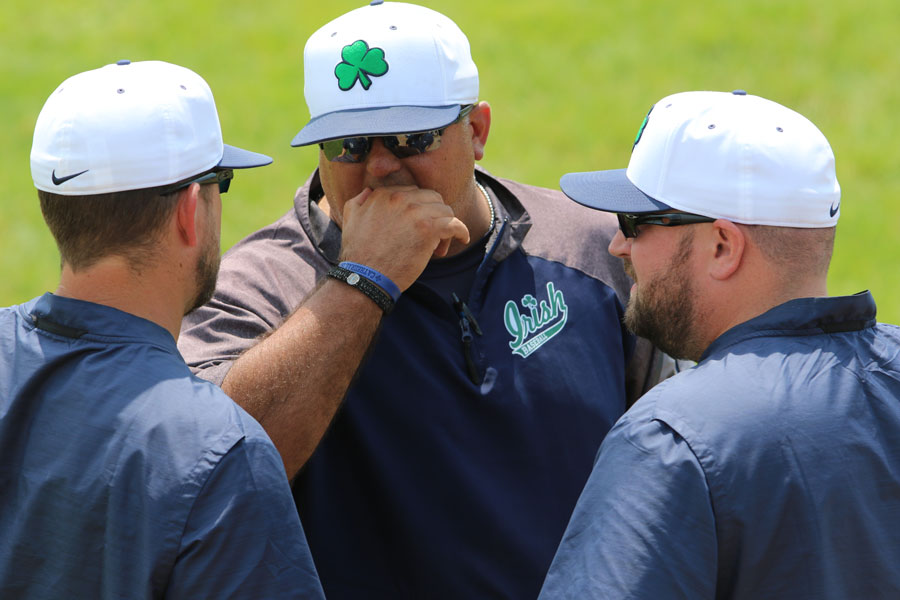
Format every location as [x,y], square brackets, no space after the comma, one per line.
[569,82]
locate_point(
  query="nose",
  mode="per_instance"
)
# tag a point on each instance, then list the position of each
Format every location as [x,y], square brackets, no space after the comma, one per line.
[381,162]
[620,246]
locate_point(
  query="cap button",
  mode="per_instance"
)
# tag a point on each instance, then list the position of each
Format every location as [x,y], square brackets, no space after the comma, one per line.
[376,2]
[123,62]
[739,93]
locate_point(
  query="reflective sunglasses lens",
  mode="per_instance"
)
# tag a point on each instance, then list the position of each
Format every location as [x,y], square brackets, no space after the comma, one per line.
[223,178]
[627,224]
[411,144]
[347,150]
[355,150]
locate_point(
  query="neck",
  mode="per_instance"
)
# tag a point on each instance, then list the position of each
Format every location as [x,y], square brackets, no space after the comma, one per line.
[764,294]
[150,294]
[492,216]
[479,219]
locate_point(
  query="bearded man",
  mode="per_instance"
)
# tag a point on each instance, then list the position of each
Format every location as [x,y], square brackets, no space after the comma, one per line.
[770,469]
[121,474]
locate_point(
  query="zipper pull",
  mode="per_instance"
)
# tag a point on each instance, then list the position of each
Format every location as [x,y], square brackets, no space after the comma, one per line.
[464,311]
[466,324]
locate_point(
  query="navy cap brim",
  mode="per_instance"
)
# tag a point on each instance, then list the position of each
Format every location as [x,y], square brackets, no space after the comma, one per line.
[375,121]
[610,191]
[238,158]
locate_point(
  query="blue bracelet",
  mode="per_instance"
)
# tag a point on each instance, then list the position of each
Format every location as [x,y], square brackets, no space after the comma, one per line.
[377,278]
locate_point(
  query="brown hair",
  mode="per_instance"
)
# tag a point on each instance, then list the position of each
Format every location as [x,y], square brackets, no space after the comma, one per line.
[88,228]
[794,250]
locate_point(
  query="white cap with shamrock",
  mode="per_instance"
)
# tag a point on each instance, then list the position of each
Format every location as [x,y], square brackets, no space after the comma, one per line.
[383,69]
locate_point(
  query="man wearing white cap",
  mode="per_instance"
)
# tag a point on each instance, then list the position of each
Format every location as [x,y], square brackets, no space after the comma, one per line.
[454,462]
[772,468]
[122,475]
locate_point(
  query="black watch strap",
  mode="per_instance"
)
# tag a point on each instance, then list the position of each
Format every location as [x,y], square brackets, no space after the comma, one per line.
[364,285]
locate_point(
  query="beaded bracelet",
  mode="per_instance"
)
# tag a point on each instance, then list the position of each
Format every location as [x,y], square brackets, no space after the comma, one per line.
[364,285]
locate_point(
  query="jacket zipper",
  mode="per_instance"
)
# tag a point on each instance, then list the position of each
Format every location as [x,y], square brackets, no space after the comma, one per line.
[467,324]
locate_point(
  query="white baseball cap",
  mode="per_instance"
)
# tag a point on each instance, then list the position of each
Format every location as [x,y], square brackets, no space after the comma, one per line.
[723,155]
[130,126]
[383,69]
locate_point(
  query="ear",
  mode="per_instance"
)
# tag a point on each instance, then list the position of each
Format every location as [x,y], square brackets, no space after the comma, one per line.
[727,247]
[186,217]
[480,120]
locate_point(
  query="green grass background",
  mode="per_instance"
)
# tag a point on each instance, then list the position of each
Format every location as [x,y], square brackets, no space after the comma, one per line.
[569,82]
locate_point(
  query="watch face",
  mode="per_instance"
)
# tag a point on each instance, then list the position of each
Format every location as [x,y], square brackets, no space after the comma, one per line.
[353,279]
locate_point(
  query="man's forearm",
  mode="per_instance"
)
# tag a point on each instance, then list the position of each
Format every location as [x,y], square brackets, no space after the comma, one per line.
[293,381]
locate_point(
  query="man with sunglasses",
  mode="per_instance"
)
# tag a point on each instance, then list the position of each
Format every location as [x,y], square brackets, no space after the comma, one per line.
[454,462]
[122,475]
[770,469]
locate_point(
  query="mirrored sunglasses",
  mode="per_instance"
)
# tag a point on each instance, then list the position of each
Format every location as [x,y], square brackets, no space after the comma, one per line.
[403,145]
[629,223]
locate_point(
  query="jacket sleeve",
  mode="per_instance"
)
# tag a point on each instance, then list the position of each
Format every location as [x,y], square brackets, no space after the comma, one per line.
[243,537]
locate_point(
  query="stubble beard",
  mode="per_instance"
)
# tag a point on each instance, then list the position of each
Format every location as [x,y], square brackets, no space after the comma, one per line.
[663,310]
[207,272]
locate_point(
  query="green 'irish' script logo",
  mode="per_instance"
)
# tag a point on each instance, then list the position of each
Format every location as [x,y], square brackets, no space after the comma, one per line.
[359,63]
[535,328]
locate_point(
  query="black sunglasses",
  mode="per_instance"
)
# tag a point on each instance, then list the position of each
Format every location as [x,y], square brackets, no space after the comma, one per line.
[629,223]
[401,145]
[223,178]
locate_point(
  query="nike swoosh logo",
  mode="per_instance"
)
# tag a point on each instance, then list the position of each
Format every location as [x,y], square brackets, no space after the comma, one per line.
[62,180]
[834,209]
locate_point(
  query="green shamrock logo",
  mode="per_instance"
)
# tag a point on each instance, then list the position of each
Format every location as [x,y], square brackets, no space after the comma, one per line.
[643,126]
[360,62]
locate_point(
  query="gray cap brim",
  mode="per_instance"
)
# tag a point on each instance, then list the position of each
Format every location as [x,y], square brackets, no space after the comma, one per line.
[375,121]
[610,191]
[238,158]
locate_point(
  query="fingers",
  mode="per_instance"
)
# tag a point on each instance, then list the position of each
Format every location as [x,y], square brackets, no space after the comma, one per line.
[354,203]
[450,228]
[441,250]
[396,230]
[458,230]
